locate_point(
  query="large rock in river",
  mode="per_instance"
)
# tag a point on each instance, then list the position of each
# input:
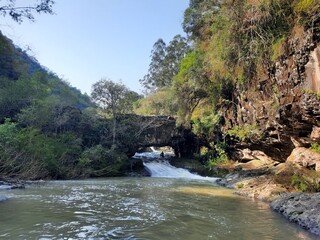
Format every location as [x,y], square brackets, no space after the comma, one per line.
[301,208]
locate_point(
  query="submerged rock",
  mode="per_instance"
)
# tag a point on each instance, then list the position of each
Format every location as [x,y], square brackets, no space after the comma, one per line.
[3,198]
[11,184]
[301,208]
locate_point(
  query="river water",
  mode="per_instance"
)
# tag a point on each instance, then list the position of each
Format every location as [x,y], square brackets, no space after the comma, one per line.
[139,208]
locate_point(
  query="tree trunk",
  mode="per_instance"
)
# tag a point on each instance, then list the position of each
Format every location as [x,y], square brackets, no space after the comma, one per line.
[114,130]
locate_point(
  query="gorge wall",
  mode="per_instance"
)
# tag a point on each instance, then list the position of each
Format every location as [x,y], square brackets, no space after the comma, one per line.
[282,106]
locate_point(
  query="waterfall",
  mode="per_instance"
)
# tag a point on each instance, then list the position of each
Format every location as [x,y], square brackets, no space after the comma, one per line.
[162,168]
[159,166]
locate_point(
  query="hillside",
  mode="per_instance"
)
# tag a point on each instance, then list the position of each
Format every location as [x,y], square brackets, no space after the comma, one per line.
[17,68]
[49,129]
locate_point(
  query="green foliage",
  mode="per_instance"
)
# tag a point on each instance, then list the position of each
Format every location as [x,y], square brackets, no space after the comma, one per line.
[307,11]
[113,99]
[306,183]
[52,123]
[245,133]
[197,17]
[103,162]
[213,156]
[165,62]
[205,125]
[190,86]
[240,185]
[221,155]
[277,48]
[299,183]
[315,147]
[159,103]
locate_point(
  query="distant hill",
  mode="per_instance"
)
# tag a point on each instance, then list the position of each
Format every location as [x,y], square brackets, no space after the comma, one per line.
[17,68]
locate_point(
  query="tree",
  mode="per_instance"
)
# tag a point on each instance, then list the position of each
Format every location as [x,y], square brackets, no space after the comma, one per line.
[153,78]
[197,17]
[19,13]
[112,98]
[165,61]
[191,85]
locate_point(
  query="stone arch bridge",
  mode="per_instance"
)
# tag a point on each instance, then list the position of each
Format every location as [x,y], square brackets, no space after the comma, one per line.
[160,131]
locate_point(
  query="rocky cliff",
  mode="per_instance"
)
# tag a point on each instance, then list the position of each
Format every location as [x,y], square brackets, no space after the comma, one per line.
[279,116]
[280,108]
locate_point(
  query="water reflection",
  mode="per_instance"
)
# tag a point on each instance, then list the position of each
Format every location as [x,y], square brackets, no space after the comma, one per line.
[145,208]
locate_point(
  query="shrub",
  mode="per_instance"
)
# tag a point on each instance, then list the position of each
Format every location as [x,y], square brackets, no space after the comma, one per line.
[103,162]
[245,133]
[306,182]
[315,147]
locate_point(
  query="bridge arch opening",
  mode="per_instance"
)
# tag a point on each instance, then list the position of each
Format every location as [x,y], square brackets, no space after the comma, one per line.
[163,151]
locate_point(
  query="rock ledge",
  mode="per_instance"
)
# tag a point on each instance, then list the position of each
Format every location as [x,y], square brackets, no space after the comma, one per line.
[301,208]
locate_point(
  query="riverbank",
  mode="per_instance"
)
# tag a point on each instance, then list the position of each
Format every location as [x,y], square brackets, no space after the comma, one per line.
[271,181]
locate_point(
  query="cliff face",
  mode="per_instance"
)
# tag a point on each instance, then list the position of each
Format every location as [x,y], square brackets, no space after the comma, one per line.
[283,102]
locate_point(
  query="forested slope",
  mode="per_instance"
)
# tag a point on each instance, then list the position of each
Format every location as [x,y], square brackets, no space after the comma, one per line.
[48,128]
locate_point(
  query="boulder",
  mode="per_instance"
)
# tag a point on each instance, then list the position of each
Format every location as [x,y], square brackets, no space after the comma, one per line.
[247,155]
[263,188]
[253,160]
[315,134]
[301,208]
[304,157]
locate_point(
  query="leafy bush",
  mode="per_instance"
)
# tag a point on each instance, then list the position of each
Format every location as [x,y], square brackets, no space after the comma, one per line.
[205,125]
[103,162]
[277,48]
[244,133]
[159,103]
[315,147]
[214,156]
[307,13]
[309,182]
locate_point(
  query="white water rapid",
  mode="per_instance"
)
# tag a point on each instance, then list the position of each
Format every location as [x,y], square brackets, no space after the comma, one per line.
[160,167]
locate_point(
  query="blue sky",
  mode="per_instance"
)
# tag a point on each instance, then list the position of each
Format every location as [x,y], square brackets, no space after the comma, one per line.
[89,40]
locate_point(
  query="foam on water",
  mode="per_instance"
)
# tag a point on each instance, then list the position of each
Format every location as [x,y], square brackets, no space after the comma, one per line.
[162,168]
[159,166]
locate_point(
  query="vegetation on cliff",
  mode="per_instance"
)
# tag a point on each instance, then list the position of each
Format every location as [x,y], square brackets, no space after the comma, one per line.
[233,45]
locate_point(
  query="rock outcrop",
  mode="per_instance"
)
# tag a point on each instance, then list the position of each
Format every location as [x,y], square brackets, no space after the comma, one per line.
[304,157]
[255,177]
[301,208]
[282,104]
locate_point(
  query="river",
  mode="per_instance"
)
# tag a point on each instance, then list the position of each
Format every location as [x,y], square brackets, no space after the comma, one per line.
[139,208]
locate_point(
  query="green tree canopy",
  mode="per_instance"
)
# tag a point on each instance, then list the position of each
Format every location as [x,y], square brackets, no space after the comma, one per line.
[165,62]
[113,99]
